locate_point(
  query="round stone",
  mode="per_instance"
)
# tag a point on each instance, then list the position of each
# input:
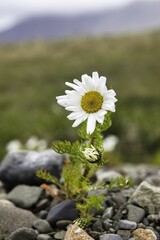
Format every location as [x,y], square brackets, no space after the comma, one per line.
[23,233]
[42,226]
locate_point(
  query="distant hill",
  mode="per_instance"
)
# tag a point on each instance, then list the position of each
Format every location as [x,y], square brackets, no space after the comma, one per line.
[34,73]
[135,17]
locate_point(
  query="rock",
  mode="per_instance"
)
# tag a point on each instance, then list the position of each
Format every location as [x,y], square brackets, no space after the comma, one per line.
[143,234]
[76,233]
[60,235]
[44,237]
[98,192]
[110,237]
[25,196]
[118,199]
[128,225]
[42,204]
[43,214]
[42,226]
[108,224]
[138,172]
[145,194]
[12,218]
[108,213]
[97,226]
[105,175]
[65,210]
[151,209]
[135,213]
[3,194]
[94,234]
[23,233]
[62,224]
[19,167]
[125,234]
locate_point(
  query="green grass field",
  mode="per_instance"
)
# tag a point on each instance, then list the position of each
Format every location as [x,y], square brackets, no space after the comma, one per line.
[33,74]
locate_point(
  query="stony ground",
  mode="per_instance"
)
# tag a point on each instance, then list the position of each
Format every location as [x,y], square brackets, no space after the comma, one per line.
[28,212]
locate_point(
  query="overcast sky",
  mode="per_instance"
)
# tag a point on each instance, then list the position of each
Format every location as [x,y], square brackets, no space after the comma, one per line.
[13,10]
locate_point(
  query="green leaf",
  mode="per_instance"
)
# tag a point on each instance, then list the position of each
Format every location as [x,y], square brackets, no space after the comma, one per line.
[82,133]
[121,182]
[47,177]
[88,204]
[62,146]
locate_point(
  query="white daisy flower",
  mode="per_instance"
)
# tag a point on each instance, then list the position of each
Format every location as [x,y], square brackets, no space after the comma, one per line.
[89,100]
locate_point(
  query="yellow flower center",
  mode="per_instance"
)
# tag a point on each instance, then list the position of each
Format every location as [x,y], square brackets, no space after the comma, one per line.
[91,102]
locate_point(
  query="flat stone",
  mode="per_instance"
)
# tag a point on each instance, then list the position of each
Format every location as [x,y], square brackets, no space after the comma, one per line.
[108,213]
[144,234]
[19,167]
[145,194]
[97,226]
[74,232]
[135,213]
[126,224]
[62,224]
[44,237]
[13,218]
[107,224]
[23,233]
[42,226]
[65,210]
[110,237]
[125,234]
[105,175]
[25,196]
[94,234]
[60,235]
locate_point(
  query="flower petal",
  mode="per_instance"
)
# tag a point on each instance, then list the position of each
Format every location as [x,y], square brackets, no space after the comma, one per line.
[99,118]
[76,115]
[79,121]
[91,123]
[75,87]
[87,82]
[73,108]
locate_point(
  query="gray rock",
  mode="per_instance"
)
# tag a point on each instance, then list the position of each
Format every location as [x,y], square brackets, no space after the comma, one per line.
[23,233]
[60,235]
[107,224]
[44,237]
[42,204]
[125,234]
[65,210]
[108,213]
[3,194]
[42,226]
[126,224]
[43,214]
[98,192]
[138,172]
[107,176]
[145,194]
[94,234]
[20,167]
[62,224]
[12,218]
[97,226]
[135,213]
[25,196]
[151,209]
[110,237]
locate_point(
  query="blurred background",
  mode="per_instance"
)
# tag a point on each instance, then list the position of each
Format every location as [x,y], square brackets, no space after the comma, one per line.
[43,44]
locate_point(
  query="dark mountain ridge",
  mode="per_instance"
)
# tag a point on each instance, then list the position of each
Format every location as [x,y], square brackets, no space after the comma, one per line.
[138,16]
